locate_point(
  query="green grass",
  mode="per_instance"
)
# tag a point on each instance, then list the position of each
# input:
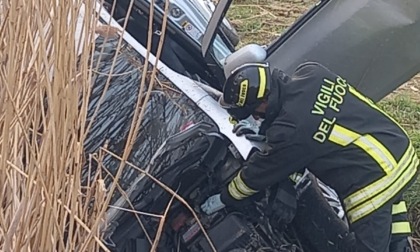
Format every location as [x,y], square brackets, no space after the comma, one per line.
[406,111]
[405,108]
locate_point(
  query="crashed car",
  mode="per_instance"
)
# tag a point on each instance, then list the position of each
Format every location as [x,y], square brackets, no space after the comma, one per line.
[186,145]
[184,148]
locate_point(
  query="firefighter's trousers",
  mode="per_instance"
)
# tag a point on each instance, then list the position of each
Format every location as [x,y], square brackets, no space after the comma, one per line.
[385,230]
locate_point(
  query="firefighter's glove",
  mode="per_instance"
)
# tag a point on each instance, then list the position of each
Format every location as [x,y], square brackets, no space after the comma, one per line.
[284,204]
[212,204]
[250,130]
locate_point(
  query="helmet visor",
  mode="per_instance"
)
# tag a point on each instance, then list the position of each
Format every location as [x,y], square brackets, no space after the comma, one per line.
[238,113]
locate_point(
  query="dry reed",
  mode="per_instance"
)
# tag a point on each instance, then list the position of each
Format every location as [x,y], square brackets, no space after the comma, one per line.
[42,127]
[45,83]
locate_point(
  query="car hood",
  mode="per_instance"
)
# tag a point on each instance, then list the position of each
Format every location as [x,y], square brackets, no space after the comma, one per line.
[375,44]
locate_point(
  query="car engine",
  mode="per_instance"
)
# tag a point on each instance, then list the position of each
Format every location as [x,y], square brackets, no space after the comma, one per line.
[230,233]
[204,165]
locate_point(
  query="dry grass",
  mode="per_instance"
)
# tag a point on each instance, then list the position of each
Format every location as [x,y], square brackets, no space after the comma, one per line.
[42,129]
[44,91]
[45,85]
[261,21]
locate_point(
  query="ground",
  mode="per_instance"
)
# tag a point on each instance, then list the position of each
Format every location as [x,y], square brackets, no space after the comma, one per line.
[260,21]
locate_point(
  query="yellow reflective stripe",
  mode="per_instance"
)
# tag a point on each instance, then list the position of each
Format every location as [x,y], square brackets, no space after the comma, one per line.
[243,93]
[368,143]
[295,177]
[366,200]
[399,208]
[263,82]
[361,195]
[242,186]
[238,189]
[401,227]
[377,151]
[374,203]
[232,120]
[362,97]
[373,105]
[234,192]
[342,136]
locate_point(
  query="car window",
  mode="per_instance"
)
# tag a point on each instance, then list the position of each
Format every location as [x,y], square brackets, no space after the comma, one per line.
[192,17]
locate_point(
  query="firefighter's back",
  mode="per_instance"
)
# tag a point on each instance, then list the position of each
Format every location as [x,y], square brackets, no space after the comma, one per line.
[355,146]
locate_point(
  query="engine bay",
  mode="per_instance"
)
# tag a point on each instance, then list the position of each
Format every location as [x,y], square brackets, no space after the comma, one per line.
[227,232]
[230,230]
[203,167]
[194,165]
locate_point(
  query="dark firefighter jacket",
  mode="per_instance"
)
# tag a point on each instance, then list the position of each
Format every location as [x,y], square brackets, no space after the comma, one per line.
[324,124]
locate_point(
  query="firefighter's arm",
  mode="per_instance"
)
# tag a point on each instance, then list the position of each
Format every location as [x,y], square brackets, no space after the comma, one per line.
[285,156]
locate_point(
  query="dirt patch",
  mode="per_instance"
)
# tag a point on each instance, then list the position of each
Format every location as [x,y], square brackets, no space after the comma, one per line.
[262,21]
[411,89]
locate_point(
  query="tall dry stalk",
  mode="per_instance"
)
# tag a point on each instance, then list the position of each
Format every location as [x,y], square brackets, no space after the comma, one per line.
[44,89]
[42,127]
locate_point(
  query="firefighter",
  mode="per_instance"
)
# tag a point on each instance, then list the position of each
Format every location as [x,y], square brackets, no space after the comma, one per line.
[315,119]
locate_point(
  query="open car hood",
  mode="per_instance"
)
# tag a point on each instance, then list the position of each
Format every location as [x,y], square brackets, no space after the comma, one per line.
[375,44]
